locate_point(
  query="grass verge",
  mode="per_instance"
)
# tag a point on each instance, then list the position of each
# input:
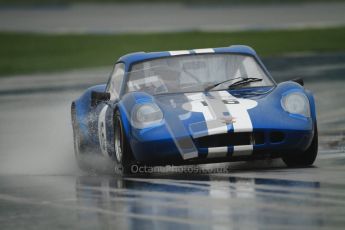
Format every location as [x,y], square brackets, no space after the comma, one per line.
[22,53]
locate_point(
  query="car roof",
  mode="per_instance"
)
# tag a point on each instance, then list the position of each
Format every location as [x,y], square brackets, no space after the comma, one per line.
[142,56]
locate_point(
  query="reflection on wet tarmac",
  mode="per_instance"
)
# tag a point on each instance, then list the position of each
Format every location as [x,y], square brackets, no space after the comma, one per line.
[207,203]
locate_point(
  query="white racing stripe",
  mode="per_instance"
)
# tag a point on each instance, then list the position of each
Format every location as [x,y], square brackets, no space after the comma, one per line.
[242,121]
[195,105]
[216,152]
[197,51]
[186,146]
[242,150]
[213,122]
[203,51]
[216,127]
[179,52]
[213,125]
[239,111]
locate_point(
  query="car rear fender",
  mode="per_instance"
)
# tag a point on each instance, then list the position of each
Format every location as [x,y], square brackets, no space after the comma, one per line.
[82,108]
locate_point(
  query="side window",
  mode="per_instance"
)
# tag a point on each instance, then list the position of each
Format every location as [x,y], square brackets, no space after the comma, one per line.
[116,81]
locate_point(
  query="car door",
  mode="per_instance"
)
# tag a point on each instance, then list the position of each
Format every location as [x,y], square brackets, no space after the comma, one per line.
[106,110]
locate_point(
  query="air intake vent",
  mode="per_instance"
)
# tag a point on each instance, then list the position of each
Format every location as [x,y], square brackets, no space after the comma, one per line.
[276,137]
[230,139]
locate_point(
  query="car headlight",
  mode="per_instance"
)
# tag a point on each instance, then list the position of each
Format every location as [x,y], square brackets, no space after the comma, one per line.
[145,115]
[296,103]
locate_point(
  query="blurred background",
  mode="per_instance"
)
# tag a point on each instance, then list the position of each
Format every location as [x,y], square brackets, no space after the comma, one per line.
[52,50]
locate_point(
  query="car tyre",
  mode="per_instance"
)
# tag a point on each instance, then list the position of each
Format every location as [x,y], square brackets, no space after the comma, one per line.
[79,148]
[305,158]
[123,152]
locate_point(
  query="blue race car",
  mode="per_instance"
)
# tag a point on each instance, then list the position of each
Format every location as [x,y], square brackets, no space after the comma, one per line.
[192,107]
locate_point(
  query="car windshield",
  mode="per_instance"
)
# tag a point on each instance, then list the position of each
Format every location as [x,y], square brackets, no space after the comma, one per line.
[191,73]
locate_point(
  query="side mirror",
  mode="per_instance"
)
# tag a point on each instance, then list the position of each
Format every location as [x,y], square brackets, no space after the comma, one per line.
[299,81]
[97,97]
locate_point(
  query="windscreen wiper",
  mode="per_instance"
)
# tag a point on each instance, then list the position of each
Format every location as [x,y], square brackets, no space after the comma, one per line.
[244,81]
[208,88]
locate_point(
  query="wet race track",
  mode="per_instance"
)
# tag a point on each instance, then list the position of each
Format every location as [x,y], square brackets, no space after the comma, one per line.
[41,187]
[170,16]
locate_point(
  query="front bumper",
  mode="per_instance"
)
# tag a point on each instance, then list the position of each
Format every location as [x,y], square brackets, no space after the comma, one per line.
[261,143]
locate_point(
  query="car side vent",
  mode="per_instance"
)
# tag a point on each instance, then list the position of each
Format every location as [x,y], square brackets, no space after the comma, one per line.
[230,139]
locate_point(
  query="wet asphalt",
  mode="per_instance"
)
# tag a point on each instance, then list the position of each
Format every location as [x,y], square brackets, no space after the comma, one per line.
[42,188]
[167,17]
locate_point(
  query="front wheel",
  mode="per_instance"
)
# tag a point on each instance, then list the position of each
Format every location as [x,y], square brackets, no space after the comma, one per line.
[123,153]
[305,158]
